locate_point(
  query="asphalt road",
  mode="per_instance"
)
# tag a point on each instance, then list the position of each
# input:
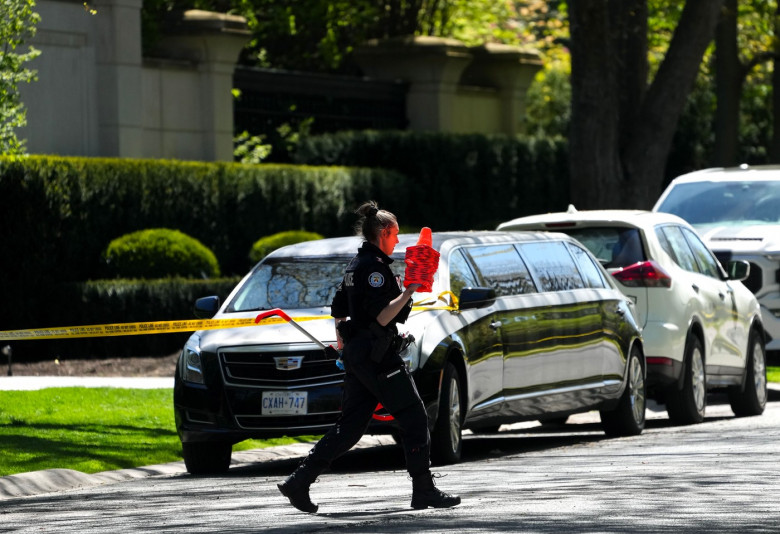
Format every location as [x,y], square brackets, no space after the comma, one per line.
[719,476]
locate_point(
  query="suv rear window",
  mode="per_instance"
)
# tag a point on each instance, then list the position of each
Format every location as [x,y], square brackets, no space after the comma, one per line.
[614,247]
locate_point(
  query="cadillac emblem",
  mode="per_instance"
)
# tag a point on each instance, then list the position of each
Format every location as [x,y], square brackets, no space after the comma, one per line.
[288,363]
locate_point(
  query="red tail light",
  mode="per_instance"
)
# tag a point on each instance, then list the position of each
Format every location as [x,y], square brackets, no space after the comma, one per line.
[643,274]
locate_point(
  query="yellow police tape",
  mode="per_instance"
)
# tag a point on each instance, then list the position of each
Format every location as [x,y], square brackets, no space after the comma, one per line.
[167,327]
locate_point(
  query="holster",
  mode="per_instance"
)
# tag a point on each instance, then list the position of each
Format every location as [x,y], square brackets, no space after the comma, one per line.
[382,338]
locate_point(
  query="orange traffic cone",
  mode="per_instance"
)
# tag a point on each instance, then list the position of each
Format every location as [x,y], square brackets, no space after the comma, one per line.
[422,261]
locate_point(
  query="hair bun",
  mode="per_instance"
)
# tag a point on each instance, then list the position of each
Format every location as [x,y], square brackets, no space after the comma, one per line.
[372,212]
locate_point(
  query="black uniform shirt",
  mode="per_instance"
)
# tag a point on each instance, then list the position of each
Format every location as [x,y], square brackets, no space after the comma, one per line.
[368,286]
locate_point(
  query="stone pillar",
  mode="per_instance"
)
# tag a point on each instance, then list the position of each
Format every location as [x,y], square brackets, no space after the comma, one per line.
[431,66]
[213,41]
[510,70]
[118,56]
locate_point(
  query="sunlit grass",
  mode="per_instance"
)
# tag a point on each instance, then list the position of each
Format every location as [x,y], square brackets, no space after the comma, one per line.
[773,374]
[92,429]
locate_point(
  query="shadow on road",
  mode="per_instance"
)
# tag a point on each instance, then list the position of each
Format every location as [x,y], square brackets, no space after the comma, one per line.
[477,446]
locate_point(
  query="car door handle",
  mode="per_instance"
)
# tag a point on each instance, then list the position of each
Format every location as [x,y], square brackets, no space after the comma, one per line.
[495,325]
[722,296]
[695,287]
[620,311]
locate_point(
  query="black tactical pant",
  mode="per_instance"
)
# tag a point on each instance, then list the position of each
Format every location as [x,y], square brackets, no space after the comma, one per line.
[367,382]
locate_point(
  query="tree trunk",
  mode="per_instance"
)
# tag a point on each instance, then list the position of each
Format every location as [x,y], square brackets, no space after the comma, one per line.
[774,149]
[728,87]
[624,168]
[594,131]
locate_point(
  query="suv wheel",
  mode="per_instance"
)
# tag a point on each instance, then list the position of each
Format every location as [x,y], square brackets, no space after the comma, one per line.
[750,398]
[628,418]
[686,406]
[202,458]
[446,439]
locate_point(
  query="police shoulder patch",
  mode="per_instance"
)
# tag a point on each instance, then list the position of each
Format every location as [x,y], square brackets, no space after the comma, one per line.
[376,280]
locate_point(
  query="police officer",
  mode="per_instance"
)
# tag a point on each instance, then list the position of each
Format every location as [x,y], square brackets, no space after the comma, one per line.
[374,301]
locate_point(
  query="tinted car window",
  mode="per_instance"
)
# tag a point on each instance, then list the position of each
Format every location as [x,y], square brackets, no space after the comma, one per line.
[707,263]
[676,246]
[461,274]
[612,246]
[735,202]
[290,284]
[553,265]
[590,272]
[503,269]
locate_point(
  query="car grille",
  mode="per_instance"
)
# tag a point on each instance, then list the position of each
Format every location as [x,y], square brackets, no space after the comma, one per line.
[260,368]
[249,371]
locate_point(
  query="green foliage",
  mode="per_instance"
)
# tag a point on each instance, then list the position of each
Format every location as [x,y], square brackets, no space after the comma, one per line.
[159,253]
[460,181]
[87,202]
[548,103]
[250,149]
[265,245]
[17,24]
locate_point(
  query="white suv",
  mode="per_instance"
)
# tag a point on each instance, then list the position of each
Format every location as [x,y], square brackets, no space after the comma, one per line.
[701,327]
[737,213]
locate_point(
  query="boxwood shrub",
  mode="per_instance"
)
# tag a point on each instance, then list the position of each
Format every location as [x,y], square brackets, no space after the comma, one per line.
[159,253]
[263,246]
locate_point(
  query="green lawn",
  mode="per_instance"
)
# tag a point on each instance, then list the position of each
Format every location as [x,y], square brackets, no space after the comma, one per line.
[773,374]
[92,429]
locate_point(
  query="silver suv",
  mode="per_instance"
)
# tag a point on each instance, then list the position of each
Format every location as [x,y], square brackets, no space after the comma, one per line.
[737,213]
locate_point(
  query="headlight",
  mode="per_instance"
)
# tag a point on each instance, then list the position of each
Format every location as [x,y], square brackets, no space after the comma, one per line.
[190,366]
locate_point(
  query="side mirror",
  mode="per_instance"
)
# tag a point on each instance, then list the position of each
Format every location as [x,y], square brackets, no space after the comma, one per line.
[738,270]
[206,307]
[476,297]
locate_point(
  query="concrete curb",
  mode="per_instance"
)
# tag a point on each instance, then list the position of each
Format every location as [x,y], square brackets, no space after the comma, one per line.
[57,480]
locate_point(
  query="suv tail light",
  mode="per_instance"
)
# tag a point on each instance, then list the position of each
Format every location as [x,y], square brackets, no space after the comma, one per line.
[643,274]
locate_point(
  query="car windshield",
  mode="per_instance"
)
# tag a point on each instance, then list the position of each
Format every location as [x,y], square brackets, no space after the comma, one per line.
[293,283]
[733,203]
[613,246]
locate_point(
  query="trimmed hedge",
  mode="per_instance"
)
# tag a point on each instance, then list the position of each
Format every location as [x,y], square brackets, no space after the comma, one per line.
[159,253]
[460,181]
[59,214]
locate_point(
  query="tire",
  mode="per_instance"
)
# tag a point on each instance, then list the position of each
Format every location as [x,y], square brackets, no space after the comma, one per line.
[628,418]
[447,438]
[686,406]
[206,458]
[750,398]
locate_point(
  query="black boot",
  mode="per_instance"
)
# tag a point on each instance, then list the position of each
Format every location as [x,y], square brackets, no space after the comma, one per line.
[296,487]
[425,494]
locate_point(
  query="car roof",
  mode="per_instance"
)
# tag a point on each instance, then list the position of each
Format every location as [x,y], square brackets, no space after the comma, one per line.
[440,241]
[729,174]
[574,218]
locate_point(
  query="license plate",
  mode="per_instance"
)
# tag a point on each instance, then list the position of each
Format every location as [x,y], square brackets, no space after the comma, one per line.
[284,403]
